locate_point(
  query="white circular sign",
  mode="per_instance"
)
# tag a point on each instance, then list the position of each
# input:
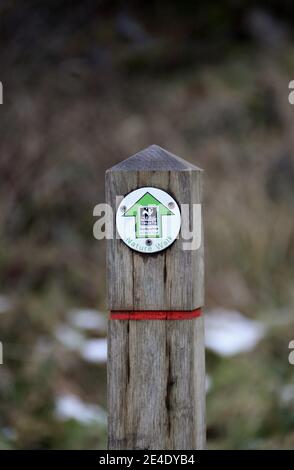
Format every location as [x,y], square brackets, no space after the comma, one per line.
[148,220]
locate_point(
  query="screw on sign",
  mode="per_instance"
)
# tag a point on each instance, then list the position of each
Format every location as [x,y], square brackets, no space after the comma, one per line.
[156,364]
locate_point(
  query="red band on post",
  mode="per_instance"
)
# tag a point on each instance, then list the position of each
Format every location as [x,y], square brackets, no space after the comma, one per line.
[155,314]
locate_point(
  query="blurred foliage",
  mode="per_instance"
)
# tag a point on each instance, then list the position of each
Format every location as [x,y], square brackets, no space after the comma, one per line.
[87,84]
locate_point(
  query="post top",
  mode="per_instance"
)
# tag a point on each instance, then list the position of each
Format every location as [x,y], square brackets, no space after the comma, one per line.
[154,158]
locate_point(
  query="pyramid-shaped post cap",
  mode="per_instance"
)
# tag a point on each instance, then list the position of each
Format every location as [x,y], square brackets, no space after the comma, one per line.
[154,158]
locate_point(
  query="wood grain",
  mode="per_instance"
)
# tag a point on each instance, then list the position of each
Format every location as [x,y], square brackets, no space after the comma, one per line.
[156,384]
[156,368]
[172,279]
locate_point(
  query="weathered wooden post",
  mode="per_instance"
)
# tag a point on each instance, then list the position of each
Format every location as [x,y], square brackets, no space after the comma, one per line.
[156,365]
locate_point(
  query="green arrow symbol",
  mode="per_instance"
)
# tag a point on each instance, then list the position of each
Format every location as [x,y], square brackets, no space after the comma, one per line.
[148,212]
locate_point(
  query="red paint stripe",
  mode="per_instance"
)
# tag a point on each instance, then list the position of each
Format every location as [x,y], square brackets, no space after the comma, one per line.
[155,314]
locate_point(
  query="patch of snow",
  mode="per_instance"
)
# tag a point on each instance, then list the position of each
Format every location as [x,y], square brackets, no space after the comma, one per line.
[72,407]
[87,319]
[91,350]
[228,332]
[5,304]
[70,338]
[95,350]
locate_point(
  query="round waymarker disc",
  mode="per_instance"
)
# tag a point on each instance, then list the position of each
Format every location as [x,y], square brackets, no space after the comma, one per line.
[148,220]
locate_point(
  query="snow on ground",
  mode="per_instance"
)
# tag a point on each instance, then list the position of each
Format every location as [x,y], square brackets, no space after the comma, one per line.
[95,350]
[69,338]
[228,332]
[88,319]
[91,350]
[69,406]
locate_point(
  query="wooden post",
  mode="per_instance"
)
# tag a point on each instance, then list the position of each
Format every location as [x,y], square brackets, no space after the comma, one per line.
[156,368]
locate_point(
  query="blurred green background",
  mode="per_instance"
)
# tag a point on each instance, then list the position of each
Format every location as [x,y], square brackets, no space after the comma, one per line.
[87,84]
